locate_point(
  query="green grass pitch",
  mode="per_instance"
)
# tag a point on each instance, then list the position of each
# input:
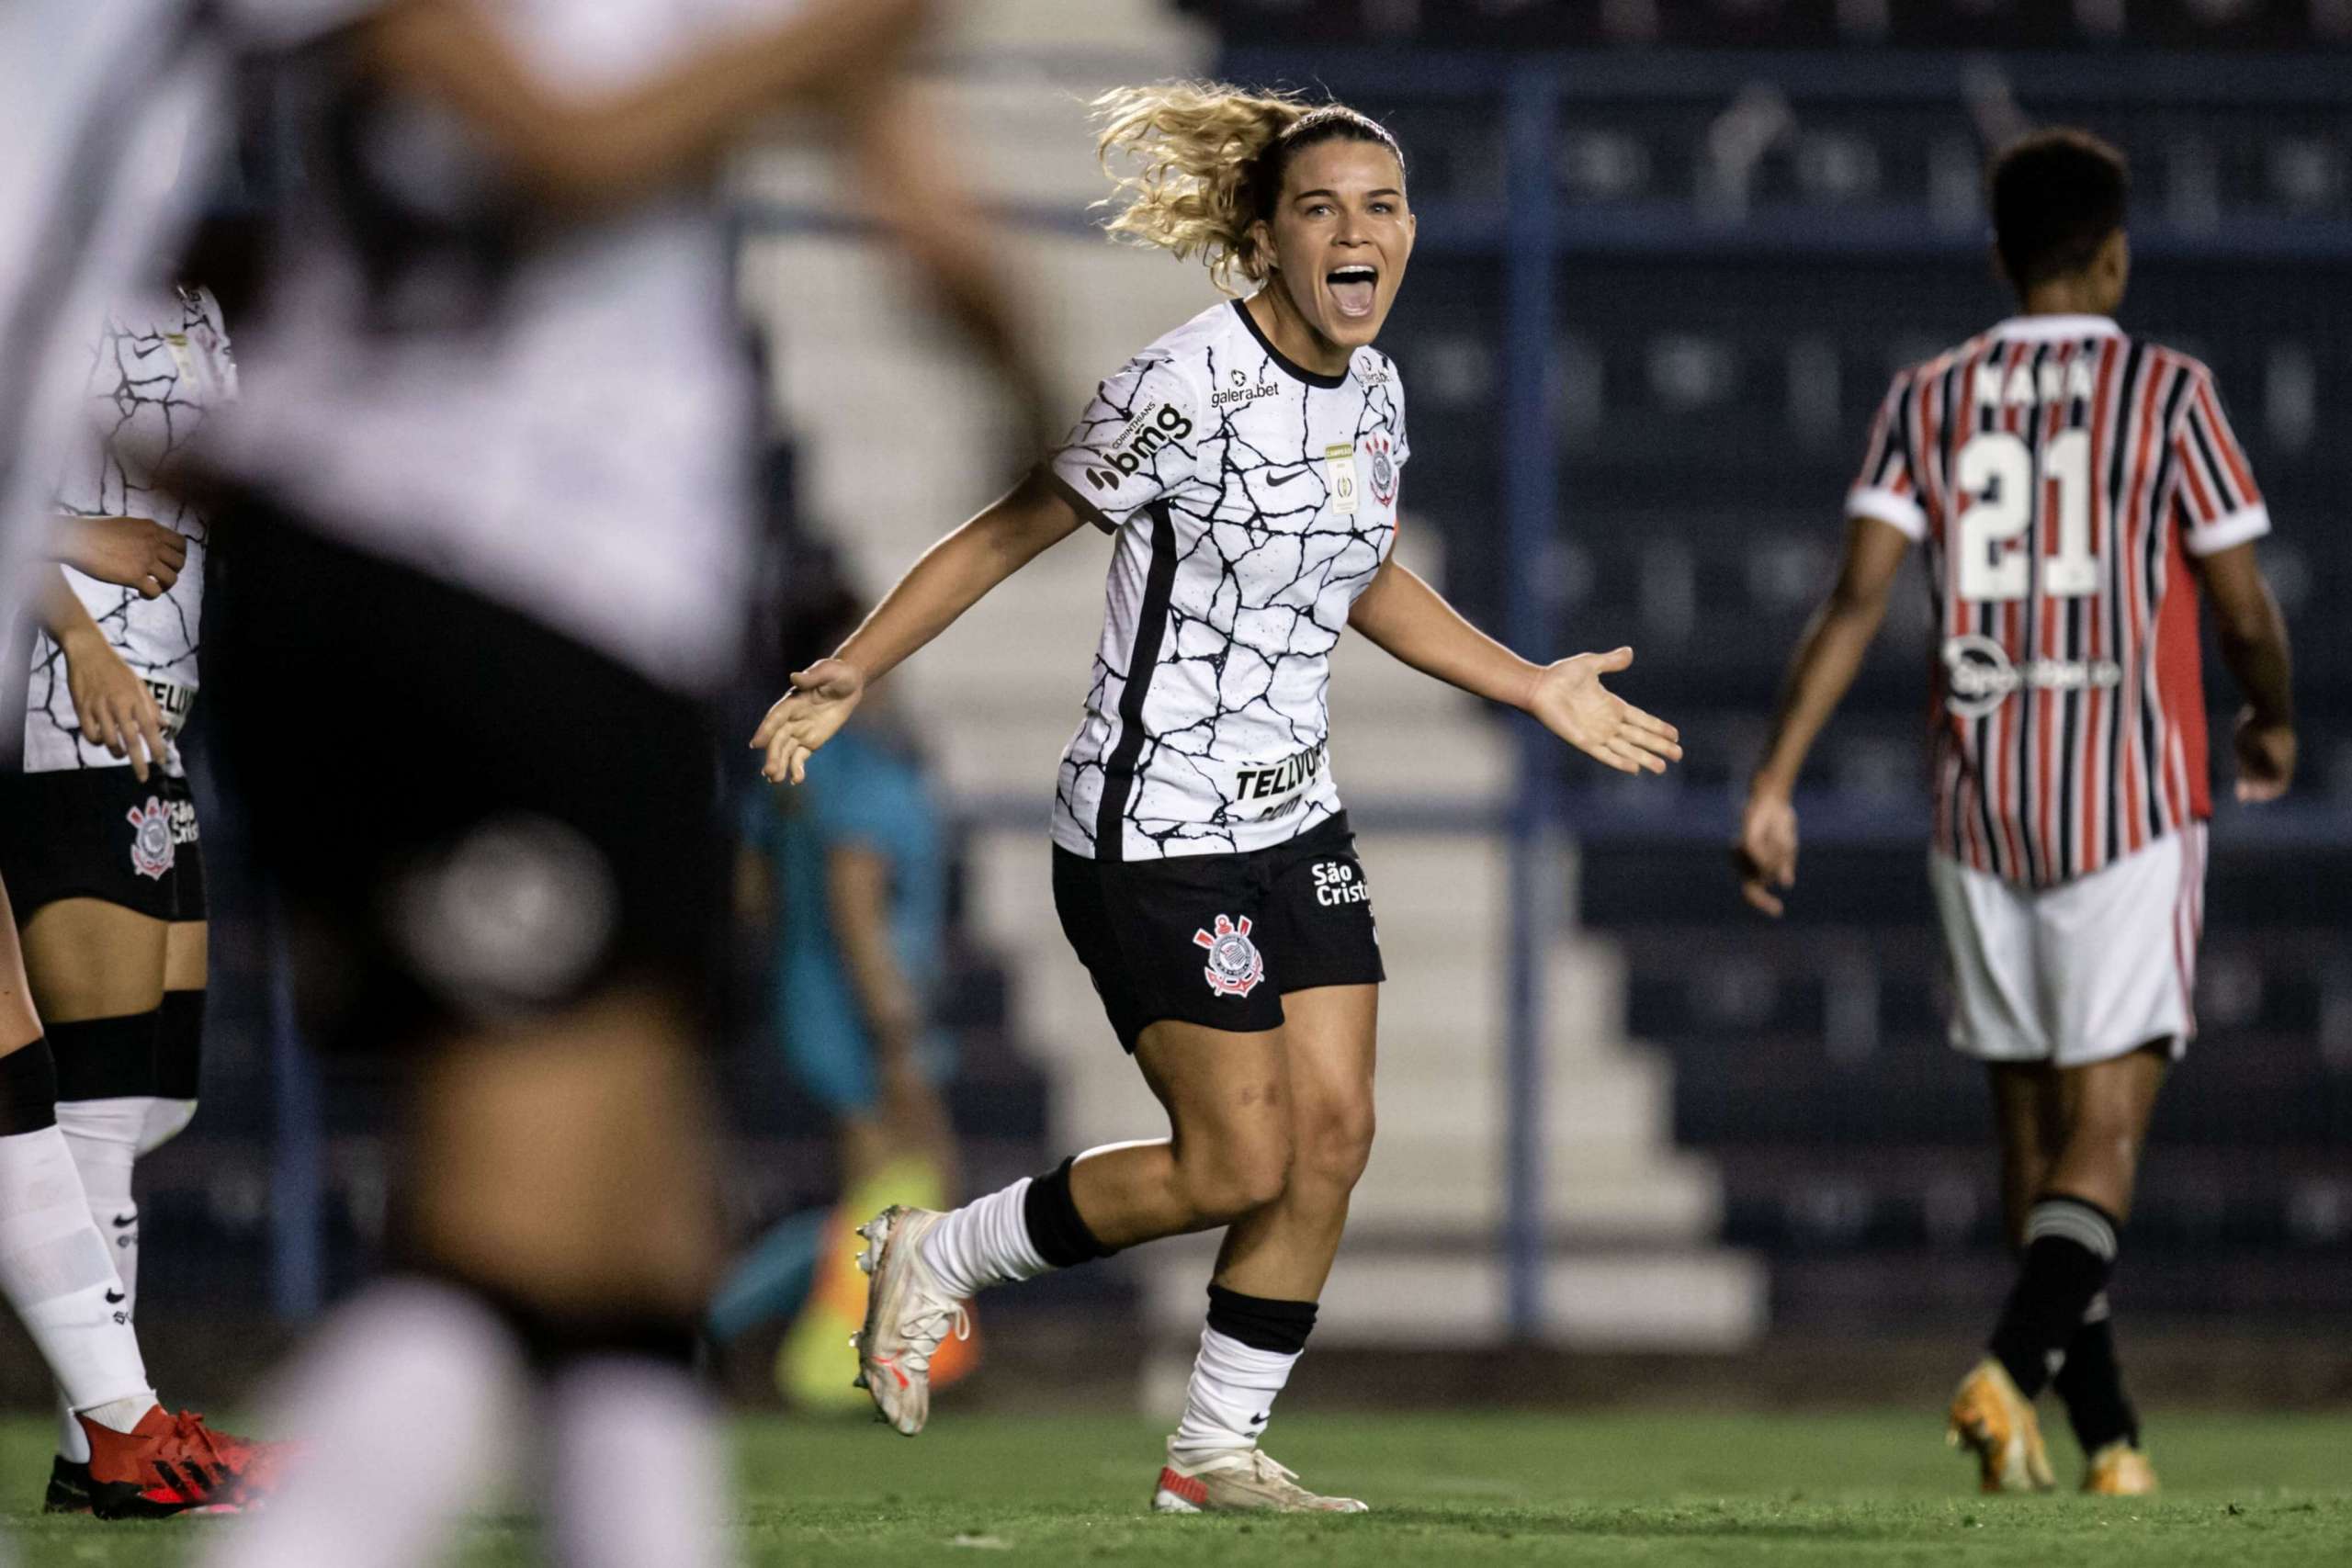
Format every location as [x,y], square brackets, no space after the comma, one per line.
[1876,1489]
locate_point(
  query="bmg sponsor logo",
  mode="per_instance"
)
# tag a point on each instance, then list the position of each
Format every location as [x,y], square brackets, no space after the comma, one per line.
[1163,424]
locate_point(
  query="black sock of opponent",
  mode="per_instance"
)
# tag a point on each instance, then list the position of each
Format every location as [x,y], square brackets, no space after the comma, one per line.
[2069,1250]
[1055,1229]
[2091,1383]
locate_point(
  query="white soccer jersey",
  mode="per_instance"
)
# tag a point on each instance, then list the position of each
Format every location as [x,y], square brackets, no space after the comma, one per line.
[105,104]
[1251,501]
[156,373]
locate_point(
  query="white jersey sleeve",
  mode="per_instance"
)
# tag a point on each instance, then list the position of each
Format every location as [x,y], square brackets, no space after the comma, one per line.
[1139,440]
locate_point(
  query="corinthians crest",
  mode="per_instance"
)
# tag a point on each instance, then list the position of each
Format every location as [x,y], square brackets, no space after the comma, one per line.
[1383,469]
[1235,964]
[152,851]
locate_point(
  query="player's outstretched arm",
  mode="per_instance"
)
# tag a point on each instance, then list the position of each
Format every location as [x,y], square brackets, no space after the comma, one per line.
[1408,619]
[952,577]
[114,706]
[600,149]
[2253,636]
[1827,658]
[907,176]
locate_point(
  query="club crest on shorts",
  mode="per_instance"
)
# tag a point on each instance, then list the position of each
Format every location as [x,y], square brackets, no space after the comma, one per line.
[1235,964]
[152,851]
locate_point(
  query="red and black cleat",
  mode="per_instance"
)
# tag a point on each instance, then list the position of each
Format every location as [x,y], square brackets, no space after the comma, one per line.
[254,1466]
[168,1464]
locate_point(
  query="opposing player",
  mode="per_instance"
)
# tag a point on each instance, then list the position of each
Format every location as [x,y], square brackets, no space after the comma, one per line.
[98,835]
[1246,466]
[2078,489]
[490,482]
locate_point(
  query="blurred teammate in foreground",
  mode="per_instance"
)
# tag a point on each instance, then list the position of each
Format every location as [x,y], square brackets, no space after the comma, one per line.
[1246,469]
[2075,487]
[851,873]
[487,494]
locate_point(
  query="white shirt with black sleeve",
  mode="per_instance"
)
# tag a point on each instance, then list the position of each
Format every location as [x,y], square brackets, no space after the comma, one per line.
[1250,500]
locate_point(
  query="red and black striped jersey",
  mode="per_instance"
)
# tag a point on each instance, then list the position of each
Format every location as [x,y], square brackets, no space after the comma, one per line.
[2061,473]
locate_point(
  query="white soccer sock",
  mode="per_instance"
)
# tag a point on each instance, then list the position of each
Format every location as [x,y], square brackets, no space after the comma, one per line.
[984,1242]
[55,1272]
[375,1489]
[1230,1398]
[638,1473]
[105,1137]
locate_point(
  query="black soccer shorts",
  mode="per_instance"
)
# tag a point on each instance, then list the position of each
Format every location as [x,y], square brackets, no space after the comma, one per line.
[1218,939]
[472,820]
[99,833]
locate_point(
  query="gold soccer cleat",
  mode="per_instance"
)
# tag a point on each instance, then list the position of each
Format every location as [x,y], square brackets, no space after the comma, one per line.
[2118,1470]
[1990,1416]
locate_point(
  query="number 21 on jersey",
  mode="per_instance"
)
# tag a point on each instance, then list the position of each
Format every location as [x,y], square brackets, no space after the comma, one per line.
[1997,532]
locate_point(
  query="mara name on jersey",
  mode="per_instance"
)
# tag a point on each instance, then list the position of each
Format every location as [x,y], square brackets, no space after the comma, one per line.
[1251,500]
[156,373]
[2062,474]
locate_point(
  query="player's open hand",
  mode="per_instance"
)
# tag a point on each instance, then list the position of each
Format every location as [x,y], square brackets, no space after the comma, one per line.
[130,552]
[1765,854]
[1573,705]
[821,699]
[115,707]
[2266,758]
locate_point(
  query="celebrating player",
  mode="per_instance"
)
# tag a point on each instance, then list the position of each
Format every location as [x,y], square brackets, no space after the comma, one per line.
[2075,487]
[98,835]
[1246,466]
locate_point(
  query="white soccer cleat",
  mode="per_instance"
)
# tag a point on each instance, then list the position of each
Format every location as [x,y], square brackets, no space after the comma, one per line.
[1240,1480]
[907,1315]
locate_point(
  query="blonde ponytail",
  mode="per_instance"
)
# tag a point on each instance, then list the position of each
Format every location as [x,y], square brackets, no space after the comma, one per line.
[1194,148]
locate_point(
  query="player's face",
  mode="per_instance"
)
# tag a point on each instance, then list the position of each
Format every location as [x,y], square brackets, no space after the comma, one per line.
[1341,236]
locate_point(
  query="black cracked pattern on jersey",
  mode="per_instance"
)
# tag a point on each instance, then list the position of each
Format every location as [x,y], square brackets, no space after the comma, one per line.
[1260,547]
[144,418]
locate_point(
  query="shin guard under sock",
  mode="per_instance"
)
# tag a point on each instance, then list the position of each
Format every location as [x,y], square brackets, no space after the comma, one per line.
[2069,1250]
[2090,1381]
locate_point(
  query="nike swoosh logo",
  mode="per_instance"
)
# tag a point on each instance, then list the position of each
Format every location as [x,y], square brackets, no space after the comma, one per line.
[113,1296]
[1271,481]
[122,1220]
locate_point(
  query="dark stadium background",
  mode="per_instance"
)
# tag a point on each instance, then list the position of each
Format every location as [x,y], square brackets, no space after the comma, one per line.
[1639,388]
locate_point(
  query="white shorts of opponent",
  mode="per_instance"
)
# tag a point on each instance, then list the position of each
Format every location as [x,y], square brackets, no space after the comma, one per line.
[2079,973]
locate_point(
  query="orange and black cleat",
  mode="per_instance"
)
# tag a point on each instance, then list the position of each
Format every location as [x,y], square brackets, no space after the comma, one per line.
[168,1464]
[256,1465]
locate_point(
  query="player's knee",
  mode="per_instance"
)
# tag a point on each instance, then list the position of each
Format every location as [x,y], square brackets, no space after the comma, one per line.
[1337,1145]
[1236,1177]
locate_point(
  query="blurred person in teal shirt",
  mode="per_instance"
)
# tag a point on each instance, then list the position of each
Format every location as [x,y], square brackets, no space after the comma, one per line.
[851,873]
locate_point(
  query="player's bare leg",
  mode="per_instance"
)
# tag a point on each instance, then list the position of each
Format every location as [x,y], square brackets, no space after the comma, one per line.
[2071,1140]
[101,974]
[56,1271]
[1229,1153]
[1271,1268]
[560,1177]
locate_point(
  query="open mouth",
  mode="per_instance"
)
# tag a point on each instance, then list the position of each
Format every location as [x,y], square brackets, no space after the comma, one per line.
[1352,288]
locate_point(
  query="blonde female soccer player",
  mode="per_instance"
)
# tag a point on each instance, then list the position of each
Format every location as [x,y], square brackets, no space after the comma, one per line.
[1246,469]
